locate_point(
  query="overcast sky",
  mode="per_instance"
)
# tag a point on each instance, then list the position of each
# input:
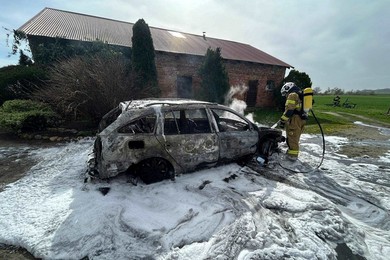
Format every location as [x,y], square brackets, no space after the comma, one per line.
[344,44]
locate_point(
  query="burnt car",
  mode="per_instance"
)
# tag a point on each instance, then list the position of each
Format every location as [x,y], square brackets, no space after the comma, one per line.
[156,139]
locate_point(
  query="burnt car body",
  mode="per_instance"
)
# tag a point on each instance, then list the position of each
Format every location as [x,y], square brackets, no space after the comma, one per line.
[157,139]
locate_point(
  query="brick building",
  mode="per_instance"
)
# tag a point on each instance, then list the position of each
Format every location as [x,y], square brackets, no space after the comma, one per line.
[178,55]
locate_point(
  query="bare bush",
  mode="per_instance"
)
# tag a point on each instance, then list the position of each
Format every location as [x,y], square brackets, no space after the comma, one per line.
[89,86]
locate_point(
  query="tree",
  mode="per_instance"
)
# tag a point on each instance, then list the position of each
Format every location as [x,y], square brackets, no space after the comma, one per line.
[317,90]
[215,80]
[24,60]
[19,45]
[334,91]
[143,63]
[301,79]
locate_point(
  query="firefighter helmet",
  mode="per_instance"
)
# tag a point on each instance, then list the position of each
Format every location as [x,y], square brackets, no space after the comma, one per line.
[287,88]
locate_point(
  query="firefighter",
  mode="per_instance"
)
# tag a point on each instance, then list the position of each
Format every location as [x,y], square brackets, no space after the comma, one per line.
[293,119]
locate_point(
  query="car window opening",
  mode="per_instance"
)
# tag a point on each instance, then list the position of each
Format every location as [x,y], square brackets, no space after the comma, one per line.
[143,125]
[228,122]
[191,121]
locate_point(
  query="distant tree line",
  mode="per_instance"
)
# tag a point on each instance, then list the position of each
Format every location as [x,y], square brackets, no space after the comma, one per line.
[339,91]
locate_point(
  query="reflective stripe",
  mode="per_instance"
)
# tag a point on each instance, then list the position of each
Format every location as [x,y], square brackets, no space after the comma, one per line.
[290,102]
[284,118]
[293,152]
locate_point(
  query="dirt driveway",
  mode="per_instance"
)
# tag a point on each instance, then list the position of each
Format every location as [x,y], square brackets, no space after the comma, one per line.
[366,139]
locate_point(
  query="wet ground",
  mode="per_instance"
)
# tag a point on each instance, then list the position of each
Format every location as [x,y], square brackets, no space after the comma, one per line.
[14,163]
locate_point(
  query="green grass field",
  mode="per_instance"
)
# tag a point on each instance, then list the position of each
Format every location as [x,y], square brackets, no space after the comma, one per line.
[368,109]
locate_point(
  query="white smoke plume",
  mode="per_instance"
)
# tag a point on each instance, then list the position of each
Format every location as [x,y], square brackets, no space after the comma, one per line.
[235,90]
[234,103]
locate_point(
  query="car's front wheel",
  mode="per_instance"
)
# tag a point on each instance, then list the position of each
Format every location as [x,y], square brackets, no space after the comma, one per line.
[154,170]
[267,147]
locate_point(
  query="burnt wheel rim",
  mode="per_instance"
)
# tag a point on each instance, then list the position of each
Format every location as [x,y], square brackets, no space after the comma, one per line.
[154,170]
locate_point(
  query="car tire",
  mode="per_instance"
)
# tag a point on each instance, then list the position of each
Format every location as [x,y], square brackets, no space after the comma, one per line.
[154,170]
[266,147]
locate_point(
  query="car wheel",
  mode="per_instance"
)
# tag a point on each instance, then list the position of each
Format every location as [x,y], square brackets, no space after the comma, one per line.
[266,147]
[244,160]
[154,170]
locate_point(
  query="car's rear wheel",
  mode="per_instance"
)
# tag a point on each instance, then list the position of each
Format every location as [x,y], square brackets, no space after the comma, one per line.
[154,170]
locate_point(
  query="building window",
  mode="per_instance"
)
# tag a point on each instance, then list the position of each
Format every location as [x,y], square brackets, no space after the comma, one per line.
[270,85]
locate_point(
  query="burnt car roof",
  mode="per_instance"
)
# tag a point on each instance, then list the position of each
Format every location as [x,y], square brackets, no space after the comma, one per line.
[142,103]
[135,108]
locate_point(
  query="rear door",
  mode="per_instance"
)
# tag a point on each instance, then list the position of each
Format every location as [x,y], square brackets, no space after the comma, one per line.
[134,142]
[188,138]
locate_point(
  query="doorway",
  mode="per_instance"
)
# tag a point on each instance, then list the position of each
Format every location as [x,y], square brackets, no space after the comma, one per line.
[184,87]
[251,95]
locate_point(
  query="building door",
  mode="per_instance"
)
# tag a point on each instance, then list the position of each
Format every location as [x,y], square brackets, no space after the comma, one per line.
[184,87]
[251,95]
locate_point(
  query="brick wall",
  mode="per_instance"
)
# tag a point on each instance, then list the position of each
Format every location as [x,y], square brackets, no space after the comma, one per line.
[170,66]
[240,73]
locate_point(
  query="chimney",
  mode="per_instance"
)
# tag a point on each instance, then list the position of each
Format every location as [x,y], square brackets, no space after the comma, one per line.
[204,35]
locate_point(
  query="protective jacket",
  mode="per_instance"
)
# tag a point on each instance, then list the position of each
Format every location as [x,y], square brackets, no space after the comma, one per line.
[295,122]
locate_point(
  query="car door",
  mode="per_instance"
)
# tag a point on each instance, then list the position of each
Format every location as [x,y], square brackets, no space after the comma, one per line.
[237,137]
[188,138]
[135,141]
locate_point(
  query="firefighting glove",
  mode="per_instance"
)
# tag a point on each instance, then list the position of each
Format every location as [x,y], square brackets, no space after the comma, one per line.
[281,124]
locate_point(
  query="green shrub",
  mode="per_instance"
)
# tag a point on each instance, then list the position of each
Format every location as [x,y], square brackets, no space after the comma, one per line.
[27,115]
[17,82]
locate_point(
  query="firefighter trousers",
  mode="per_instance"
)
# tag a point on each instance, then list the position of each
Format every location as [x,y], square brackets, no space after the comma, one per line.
[294,129]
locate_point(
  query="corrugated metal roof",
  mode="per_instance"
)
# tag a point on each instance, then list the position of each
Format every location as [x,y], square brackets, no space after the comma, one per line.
[74,26]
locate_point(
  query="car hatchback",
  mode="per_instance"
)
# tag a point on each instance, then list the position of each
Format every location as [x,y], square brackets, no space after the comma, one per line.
[156,139]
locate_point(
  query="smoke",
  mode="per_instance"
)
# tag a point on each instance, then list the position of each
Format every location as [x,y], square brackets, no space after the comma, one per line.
[235,90]
[250,118]
[234,103]
[238,104]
